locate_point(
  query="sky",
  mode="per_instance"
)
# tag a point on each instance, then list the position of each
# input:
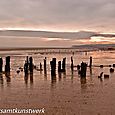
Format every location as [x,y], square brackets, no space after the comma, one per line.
[59,15]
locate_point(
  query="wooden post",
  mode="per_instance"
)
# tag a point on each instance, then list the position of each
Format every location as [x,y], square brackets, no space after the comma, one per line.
[45,64]
[7,66]
[27,60]
[26,68]
[83,69]
[53,67]
[90,65]
[1,64]
[59,66]
[40,67]
[45,68]
[113,65]
[111,70]
[26,65]
[78,67]
[54,62]
[31,64]
[71,63]
[51,64]
[63,64]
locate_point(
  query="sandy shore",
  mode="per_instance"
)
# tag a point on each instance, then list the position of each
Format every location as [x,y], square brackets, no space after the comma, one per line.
[67,93]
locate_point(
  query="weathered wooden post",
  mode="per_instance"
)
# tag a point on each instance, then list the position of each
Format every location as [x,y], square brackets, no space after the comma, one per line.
[26,67]
[45,68]
[71,63]
[1,64]
[53,71]
[113,65]
[45,64]
[7,66]
[31,64]
[64,64]
[53,67]
[111,70]
[106,76]
[54,62]
[90,65]
[59,66]
[7,69]
[40,66]
[78,67]
[83,69]
[27,60]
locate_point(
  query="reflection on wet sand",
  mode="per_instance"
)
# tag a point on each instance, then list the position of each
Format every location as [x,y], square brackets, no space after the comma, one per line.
[91,71]
[31,78]
[72,76]
[45,74]
[64,75]
[26,78]
[53,81]
[59,76]
[83,82]
[1,80]
[8,79]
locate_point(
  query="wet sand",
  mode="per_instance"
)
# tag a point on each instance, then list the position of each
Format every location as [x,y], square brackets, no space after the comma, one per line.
[67,93]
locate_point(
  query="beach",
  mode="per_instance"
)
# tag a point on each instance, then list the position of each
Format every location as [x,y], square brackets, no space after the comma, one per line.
[65,94]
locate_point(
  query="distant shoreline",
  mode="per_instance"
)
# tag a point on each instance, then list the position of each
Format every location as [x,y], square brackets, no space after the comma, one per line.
[33,48]
[87,47]
[44,48]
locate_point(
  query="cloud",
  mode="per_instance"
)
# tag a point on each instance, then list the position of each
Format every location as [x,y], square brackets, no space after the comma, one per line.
[49,34]
[16,38]
[58,14]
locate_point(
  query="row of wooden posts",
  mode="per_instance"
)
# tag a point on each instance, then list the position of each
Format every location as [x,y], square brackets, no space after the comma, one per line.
[7,65]
[61,66]
[29,66]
